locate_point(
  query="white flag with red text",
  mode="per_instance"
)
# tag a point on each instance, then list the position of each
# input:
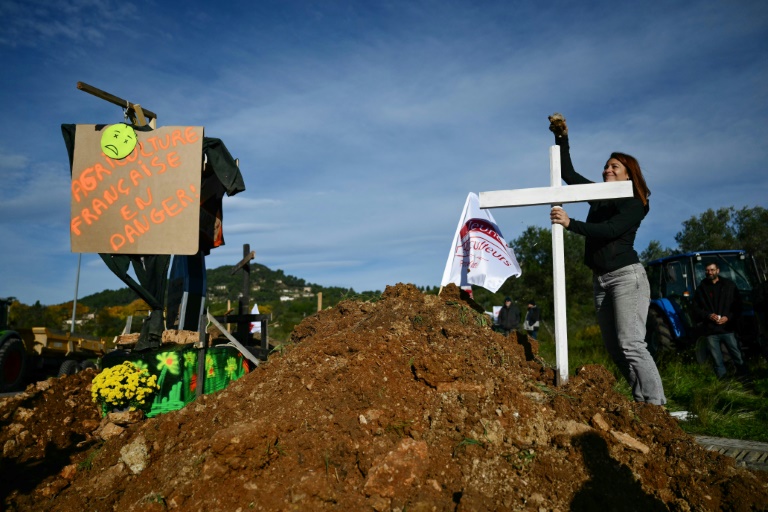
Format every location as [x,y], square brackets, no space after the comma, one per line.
[479,255]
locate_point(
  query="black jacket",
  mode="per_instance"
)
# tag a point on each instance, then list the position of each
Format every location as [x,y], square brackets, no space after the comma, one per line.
[721,298]
[509,317]
[611,225]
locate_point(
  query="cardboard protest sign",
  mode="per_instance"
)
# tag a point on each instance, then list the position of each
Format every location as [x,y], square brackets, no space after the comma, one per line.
[145,203]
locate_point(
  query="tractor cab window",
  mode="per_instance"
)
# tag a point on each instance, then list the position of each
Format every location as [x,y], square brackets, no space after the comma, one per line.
[676,280]
[731,267]
[654,279]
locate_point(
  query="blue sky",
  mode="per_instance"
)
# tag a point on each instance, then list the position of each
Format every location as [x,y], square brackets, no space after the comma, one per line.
[361,126]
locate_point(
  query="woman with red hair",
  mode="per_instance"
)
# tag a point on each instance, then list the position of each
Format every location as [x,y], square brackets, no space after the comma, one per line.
[622,294]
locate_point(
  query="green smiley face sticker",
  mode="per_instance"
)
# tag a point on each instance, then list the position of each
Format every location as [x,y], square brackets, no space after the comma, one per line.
[118,141]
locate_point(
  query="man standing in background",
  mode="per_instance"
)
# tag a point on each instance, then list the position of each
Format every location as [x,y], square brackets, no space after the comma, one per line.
[717,305]
[509,317]
[531,324]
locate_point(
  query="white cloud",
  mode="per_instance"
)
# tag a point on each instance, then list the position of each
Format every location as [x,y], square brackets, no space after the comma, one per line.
[12,163]
[361,128]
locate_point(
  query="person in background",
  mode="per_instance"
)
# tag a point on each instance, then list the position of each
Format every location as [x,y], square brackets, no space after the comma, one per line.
[619,282]
[531,324]
[509,317]
[717,305]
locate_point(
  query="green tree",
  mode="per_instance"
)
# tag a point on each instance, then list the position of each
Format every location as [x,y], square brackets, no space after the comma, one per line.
[106,324]
[655,251]
[752,232]
[727,228]
[711,230]
[22,316]
[108,298]
[533,250]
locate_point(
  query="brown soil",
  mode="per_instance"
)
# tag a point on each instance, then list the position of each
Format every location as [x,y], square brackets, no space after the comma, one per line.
[409,403]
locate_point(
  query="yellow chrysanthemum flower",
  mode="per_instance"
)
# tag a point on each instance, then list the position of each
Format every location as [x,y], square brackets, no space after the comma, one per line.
[123,385]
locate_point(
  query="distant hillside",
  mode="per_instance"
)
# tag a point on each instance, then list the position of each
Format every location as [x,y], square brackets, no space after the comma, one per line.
[267,285]
[109,298]
[287,298]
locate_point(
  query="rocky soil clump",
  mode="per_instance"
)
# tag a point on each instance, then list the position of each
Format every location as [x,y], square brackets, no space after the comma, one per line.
[408,403]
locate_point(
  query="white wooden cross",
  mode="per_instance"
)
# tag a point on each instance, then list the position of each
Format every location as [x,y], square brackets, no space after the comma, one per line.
[557,195]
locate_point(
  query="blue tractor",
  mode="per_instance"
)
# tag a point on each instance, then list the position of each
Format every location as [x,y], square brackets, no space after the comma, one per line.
[672,325]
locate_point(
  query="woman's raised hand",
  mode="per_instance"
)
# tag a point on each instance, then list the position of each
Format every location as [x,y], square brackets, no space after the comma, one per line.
[557,125]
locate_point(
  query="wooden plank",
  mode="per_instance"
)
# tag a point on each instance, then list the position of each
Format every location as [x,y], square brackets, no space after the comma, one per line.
[242,263]
[139,114]
[112,98]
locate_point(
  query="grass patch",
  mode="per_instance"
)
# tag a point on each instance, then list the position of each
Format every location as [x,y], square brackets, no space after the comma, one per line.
[726,408]
[87,463]
[549,391]
[275,447]
[153,497]
[520,461]
[467,314]
[467,441]
[282,348]
[496,355]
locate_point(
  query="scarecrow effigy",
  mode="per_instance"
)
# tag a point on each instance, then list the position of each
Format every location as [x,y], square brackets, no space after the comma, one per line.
[141,194]
[142,197]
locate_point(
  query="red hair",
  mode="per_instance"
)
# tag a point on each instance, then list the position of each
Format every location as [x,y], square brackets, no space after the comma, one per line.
[635,175]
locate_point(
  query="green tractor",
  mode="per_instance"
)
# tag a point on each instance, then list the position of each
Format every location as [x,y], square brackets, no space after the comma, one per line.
[13,355]
[27,355]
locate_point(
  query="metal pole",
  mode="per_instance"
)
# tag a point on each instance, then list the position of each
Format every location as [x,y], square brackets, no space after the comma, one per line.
[77,284]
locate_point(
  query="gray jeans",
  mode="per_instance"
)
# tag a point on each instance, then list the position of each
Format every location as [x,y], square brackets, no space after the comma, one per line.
[621,299]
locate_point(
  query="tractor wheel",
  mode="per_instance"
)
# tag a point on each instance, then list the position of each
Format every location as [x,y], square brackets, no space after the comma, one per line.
[13,364]
[87,364]
[658,335]
[704,354]
[69,367]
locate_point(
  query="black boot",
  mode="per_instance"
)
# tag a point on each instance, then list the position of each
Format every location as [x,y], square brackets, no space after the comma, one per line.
[151,332]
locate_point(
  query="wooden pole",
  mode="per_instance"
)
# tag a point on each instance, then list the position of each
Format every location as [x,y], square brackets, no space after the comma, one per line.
[243,327]
[114,99]
[558,277]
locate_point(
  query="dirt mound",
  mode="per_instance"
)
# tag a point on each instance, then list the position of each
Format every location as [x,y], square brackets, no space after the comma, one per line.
[409,403]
